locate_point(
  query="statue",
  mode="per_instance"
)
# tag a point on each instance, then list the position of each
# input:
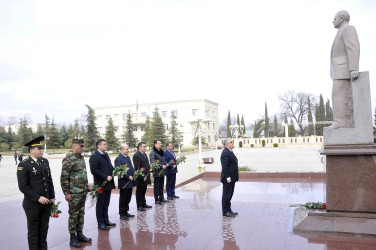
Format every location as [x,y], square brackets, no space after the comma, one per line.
[344,68]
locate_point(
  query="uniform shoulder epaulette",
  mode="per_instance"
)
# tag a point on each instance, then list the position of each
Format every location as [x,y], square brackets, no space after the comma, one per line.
[25,159]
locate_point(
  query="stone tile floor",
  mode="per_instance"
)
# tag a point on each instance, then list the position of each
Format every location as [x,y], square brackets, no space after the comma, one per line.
[195,221]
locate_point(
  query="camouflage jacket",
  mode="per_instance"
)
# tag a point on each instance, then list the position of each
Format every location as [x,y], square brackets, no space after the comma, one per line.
[73,177]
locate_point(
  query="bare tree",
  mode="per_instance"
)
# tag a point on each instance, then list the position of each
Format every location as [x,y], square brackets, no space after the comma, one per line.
[295,105]
[12,120]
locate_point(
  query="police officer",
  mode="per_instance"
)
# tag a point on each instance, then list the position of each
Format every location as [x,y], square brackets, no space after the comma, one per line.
[35,182]
[74,184]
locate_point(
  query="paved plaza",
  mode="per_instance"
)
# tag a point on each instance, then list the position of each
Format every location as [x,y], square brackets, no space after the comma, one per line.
[259,159]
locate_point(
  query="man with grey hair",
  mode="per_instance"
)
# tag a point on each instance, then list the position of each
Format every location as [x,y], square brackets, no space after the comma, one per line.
[344,67]
[229,175]
[125,183]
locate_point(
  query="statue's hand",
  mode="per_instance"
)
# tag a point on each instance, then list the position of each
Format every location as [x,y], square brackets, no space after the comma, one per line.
[354,75]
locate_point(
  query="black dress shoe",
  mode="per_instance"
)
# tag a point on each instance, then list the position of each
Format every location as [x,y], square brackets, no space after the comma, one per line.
[141,209]
[170,198]
[158,203]
[129,215]
[103,227]
[123,217]
[164,200]
[234,213]
[147,206]
[228,214]
[107,223]
[175,196]
[82,238]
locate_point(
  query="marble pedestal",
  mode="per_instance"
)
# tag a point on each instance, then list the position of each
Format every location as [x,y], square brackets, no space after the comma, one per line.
[351,178]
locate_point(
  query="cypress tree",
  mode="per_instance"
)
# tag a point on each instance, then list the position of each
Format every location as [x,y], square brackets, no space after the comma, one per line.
[320,116]
[92,134]
[292,131]
[238,123]
[328,111]
[266,129]
[128,135]
[285,122]
[275,130]
[310,119]
[110,137]
[243,128]
[228,125]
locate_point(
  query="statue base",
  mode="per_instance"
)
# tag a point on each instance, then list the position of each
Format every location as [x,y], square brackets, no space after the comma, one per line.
[350,178]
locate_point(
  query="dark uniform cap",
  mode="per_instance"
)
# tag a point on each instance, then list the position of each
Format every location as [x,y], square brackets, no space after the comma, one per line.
[37,142]
[78,141]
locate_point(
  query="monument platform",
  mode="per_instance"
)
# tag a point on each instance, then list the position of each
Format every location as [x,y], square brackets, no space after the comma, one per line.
[195,221]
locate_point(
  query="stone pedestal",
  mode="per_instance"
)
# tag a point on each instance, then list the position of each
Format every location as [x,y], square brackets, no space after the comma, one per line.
[351,178]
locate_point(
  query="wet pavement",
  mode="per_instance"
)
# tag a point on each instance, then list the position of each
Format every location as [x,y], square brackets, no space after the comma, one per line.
[195,220]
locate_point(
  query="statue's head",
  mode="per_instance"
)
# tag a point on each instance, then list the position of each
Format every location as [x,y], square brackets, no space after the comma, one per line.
[341,16]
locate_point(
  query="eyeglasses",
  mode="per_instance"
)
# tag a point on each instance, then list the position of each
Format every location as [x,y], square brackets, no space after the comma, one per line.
[81,146]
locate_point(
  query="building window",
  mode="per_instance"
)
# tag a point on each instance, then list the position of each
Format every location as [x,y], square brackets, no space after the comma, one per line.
[213,126]
[194,112]
[116,116]
[108,117]
[143,128]
[143,114]
[117,129]
[175,112]
[207,112]
[213,113]
[124,116]
[99,117]
[208,138]
[100,129]
[134,114]
[164,113]
[155,114]
[166,126]
[134,128]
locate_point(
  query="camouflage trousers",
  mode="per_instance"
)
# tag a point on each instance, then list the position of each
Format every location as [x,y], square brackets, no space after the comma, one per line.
[76,213]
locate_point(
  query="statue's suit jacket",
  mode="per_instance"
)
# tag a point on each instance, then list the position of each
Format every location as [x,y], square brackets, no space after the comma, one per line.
[345,53]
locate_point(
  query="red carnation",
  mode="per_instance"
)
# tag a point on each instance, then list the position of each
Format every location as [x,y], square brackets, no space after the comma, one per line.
[157,161]
[172,161]
[100,190]
[323,206]
[143,169]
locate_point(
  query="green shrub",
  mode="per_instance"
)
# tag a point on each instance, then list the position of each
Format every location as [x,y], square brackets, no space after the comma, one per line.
[245,168]
[263,143]
[240,144]
[275,145]
[252,145]
[4,146]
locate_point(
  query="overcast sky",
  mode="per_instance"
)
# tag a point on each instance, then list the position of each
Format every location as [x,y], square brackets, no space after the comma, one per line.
[58,55]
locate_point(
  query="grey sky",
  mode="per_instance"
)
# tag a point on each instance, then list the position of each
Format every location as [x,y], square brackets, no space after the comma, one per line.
[56,56]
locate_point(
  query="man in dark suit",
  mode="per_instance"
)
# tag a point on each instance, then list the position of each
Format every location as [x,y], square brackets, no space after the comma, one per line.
[170,172]
[229,175]
[35,182]
[140,160]
[125,183]
[101,168]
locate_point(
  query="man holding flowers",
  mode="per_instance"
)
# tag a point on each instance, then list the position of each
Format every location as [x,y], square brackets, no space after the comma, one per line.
[156,156]
[141,163]
[101,168]
[125,183]
[171,171]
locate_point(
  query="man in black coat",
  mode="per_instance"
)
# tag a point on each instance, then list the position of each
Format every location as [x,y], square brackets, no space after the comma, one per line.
[157,154]
[125,183]
[140,160]
[229,175]
[35,182]
[101,168]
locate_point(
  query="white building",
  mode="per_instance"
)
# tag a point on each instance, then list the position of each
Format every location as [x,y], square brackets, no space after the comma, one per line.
[187,113]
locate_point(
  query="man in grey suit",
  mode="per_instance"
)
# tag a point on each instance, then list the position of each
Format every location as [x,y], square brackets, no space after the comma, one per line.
[344,67]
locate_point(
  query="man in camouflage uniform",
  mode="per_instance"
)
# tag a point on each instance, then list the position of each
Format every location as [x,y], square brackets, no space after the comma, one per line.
[74,184]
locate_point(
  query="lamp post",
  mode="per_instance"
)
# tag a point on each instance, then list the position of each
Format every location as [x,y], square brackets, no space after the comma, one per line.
[199,122]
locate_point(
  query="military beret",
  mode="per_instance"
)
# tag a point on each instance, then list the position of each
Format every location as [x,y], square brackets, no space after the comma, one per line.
[78,141]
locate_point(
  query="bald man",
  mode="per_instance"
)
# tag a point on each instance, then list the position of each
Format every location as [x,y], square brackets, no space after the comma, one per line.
[125,183]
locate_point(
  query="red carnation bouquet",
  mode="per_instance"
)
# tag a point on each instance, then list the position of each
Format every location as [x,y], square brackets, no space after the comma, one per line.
[54,212]
[118,171]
